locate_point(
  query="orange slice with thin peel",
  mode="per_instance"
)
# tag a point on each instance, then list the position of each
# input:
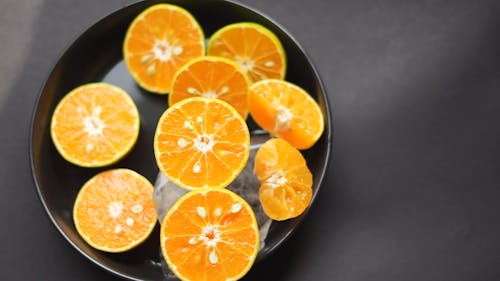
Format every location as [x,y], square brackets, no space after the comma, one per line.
[255,48]
[212,77]
[286,182]
[201,142]
[95,125]
[114,210]
[210,235]
[287,111]
[158,42]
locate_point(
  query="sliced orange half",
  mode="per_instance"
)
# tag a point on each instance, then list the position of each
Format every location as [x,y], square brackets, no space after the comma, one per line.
[286,182]
[158,42]
[210,235]
[201,142]
[287,111]
[212,77]
[255,48]
[114,210]
[95,125]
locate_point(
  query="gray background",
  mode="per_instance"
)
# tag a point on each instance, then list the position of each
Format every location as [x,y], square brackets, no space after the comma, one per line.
[413,191]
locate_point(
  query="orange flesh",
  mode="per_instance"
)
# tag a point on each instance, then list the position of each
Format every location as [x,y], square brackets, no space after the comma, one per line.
[218,243]
[114,210]
[286,182]
[214,78]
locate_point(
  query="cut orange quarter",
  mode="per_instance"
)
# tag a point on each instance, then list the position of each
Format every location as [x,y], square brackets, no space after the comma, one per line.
[255,48]
[286,182]
[158,42]
[212,77]
[95,125]
[114,210]
[286,111]
[201,142]
[210,235]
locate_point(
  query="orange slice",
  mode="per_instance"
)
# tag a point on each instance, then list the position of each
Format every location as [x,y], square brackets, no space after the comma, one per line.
[95,125]
[201,142]
[286,111]
[255,48]
[210,235]
[286,182]
[212,77]
[158,42]
[114,210]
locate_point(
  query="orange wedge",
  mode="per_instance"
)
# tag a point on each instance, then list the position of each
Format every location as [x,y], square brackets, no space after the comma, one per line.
[114,210]
[286,111]
[212,77]
[95,125]
[158,42]
[201,142]
[286,182]
[210,235]
[255,48]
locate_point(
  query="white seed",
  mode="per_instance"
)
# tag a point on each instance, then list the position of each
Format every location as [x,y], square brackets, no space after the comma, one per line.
[89,147]
[196,168]
[177,50]
[181,142]
[193,240]
[188,125]
[137,208]
[201,211]
[118,229]
[269,63]
[224,89]
[146,58]
[213,258]
[129,221]
[191,90]
[199,119]
[218,212]
[151,70]
[236,208]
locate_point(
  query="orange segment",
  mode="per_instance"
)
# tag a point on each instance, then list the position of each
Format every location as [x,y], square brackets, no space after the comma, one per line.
[286,111]
[212,77]
[95,125]
[210,235]
[255,48]
[201,142]
[286,182]
[114,210]
[158,42]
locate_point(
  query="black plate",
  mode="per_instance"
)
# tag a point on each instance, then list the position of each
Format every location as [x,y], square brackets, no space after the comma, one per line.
[97,56]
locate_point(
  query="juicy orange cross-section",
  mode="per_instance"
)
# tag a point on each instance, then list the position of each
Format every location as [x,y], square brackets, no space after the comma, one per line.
[255,48]
[158,42]
[114,210]
[212,77]
[210,235]
[286,111]
[286,181]
[201,142]
[95,125]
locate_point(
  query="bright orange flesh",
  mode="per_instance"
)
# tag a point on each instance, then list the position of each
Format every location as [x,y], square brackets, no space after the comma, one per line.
[158,42]
[212,77]
[286,182]
[114,210]
[210,235]
[95,125]
[201,142]
[286,111]
[256,49]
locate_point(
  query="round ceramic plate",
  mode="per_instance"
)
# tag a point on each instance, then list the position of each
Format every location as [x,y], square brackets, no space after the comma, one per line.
[97,56]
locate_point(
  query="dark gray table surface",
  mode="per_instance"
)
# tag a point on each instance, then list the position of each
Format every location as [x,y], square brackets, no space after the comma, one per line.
[413,191]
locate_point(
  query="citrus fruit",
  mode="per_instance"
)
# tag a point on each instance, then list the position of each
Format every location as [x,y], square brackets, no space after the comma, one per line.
[95,125]
[201,142]
[114,210]
[286,182]
[160,40]
[255,48]
[212,77]
[210,235]
[286,111]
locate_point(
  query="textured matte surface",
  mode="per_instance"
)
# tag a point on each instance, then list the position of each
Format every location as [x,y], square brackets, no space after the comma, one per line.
[414,187]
